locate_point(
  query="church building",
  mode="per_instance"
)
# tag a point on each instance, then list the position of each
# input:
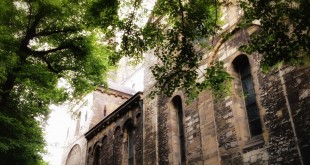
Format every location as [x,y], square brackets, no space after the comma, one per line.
[264,120]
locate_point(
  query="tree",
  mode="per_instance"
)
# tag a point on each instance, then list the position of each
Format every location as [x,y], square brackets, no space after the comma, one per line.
[42,41]
[283,34]
[177,31]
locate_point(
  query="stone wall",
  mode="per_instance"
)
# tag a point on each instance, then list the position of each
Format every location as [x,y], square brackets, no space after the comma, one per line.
[209,139]
[297,83]
[150,131]
[91,112]
[192,133]
[163,131]
[111,136]
[287,111]
[74,154]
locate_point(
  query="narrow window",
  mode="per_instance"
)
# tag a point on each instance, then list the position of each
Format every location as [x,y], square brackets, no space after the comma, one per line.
[97,156]
[77,127]
[117,147]
[130,145]
[104,151]
[242,66]
[105,111]
[177,103]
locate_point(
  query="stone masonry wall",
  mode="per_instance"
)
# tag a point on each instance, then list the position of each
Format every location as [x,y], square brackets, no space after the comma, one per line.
[297,84]
[163,150]
[257,157]
[112,140]
[150,131]
[208,135]
[227,138]
[286,99]
[281,145]
[193,133]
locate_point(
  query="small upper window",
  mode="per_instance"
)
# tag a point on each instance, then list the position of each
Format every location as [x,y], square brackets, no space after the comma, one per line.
[105,111]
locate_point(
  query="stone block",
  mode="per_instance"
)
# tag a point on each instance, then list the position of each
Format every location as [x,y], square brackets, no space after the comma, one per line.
[229,133]
[253,158]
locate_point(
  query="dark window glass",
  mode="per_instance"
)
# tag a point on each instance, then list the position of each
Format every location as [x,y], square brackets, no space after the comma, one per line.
[97,157]
[105,111]
[130,146]
[177,102]
[242,65]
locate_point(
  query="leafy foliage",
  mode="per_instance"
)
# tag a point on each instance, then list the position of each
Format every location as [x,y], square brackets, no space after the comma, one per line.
[174,32]
[177,46]
[284,30]
[42,41]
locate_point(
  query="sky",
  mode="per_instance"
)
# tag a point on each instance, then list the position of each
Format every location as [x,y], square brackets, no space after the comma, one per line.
[55,133]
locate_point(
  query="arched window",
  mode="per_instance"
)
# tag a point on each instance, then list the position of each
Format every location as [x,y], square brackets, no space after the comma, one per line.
[177,104]
[104,151]
[130,144]
[117,147]
[242,67]
[97,156]
[77,127]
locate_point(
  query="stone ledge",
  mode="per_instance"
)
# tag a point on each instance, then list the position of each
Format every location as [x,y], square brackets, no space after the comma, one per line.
[253,143]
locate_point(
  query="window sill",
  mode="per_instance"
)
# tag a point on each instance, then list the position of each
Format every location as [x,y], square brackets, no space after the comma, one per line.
[253,143]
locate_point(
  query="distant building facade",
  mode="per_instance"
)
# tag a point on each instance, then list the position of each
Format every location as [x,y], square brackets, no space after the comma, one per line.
[86,115]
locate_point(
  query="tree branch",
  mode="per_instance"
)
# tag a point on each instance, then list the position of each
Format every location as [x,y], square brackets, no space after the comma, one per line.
[49,66]
[47,33]
[182,16]
[30,33]
[43,53]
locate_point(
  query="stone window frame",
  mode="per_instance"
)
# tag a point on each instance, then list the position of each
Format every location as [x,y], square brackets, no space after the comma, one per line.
[239,108]
[175,149]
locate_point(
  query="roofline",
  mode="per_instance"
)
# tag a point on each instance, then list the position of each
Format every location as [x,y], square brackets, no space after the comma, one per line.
[98,127]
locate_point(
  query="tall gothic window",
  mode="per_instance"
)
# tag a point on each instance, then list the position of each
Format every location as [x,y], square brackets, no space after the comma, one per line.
[242,66]
[177,103]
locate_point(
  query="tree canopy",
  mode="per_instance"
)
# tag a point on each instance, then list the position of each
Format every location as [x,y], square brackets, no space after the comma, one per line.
[42,41]
[283,34]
